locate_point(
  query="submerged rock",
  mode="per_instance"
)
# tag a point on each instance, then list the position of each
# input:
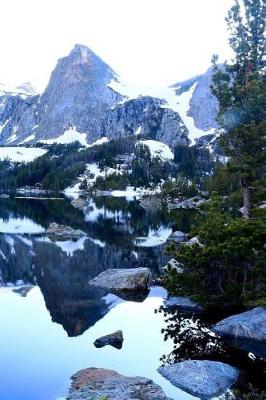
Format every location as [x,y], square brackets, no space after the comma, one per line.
[79,203]
[248,325]
[151,203]
[182,303]
[61,232]
[114,339]
[131,279]
[98,383]
[201,378]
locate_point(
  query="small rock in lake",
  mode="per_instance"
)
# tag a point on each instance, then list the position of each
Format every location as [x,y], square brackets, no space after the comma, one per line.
[248,325]
[4,196]
[98,383]
[58,232]
[114,339]
[201,378]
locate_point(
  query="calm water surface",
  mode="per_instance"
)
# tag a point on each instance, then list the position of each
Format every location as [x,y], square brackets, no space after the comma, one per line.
[51,318]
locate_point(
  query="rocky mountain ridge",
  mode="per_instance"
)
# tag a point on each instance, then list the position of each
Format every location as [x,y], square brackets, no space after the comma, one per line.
[80,94]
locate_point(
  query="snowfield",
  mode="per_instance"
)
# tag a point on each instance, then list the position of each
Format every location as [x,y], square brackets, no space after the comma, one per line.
[69,136]
[21,154]
[158,149]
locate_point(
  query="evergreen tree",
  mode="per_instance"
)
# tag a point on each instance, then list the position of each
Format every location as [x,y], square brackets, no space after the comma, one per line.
[241,91]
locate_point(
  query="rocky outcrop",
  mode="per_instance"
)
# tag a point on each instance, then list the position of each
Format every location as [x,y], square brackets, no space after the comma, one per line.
[97,383]
[192,203]
[248,325]
[178,237]
[114,339]
[183,304]
[124,280]
[145,116]
[61,232]
[201,378]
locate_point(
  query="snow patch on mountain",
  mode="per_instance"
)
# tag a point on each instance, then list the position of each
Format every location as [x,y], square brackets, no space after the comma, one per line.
[69,136]
[21,154]
[28,139]
[183,107]
[24,90]
[158,149]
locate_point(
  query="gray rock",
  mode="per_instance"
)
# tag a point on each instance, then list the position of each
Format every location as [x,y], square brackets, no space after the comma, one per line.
[4,196]
[201,378]
[116,280]
[248,325]
[182,303]
[194,240]
[178,237]
[114,339]
[147,114]
[173,264]
[97,383]
[79,203]
[61,232]
[192,203]
[151,203]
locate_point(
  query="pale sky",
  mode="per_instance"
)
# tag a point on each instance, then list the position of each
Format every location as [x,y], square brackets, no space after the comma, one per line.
[147,42]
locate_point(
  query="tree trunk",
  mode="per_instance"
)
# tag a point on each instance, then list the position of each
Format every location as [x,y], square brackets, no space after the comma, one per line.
[246,199]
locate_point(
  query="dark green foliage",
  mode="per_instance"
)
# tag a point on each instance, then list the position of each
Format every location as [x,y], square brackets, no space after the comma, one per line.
[193,162]
[180,188]
[148,171]
[229,267]
[241,91]
[112,182]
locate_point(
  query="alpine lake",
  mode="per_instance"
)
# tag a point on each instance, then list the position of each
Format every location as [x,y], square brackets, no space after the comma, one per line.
[51,316]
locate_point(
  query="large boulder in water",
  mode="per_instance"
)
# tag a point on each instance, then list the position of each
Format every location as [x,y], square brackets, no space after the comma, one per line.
[248,325]
[58,232]
[124,280]
[201,378]
[98,383]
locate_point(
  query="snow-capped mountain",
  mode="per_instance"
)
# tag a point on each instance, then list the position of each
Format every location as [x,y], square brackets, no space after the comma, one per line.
[85,100]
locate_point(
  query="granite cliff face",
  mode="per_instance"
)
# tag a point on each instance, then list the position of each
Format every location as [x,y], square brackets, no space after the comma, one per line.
[78,95]
[146,116]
